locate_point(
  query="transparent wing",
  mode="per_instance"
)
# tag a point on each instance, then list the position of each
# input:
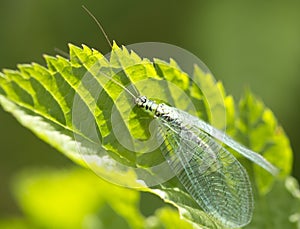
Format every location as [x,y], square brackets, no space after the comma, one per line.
[195,122]
[212,175]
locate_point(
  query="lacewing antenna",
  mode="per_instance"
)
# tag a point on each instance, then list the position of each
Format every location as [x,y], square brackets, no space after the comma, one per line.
[98,24]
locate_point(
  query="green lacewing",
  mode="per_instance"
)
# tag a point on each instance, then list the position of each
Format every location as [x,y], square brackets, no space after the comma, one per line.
[211,174]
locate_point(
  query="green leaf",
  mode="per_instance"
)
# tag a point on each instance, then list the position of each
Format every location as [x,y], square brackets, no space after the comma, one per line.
[16,223]
[75,106]
[70,202]
[187,207]
[75,199]
[279,208]
[167,218]
[258,129]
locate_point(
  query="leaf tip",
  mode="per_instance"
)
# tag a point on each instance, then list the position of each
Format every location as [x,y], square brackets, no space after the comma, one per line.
[115,45]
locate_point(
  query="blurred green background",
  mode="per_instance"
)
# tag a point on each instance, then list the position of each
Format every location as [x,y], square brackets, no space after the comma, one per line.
[251,44]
